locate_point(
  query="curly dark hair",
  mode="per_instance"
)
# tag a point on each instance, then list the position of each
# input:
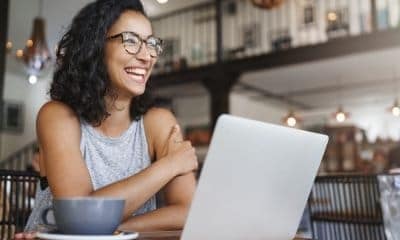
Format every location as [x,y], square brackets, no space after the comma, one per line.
[81,80]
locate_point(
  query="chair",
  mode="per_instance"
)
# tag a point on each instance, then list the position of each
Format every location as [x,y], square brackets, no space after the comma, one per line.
[17,192]
[346,207]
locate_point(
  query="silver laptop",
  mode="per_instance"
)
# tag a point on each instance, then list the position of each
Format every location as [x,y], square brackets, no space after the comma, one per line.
[255,181]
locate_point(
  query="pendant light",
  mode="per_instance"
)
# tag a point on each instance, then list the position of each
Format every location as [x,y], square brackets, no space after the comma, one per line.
[340,115]
[291,119]
[395,109]
[36,55]
[9,46]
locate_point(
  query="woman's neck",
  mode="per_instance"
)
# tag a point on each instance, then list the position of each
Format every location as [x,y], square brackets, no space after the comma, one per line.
[119,119]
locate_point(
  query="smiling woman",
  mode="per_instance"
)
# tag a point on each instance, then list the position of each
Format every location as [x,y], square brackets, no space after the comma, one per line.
[100,135]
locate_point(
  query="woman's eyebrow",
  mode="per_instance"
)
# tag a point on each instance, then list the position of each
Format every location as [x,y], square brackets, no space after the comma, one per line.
[140,35]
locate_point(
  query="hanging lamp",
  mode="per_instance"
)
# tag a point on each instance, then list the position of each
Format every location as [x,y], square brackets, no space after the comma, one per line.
[291,119]
[36,55]
[9,46]
[395,109]
[340,115]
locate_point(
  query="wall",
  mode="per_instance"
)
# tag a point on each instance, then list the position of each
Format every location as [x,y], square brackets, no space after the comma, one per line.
[192,111]
[17,89]
[16,86]
[266,110]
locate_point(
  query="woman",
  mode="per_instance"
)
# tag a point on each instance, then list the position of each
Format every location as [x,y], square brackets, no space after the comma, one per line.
[99,136]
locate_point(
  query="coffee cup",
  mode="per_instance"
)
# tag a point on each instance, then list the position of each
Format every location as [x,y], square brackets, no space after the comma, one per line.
[86,215]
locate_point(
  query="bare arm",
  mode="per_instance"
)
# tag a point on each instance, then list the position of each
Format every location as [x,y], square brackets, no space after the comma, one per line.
[178,192]
[59,134]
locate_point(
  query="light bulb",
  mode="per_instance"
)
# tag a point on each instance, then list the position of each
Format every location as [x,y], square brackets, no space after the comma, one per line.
[9,45]
[32,79]
[29,43]
[396,111]
[162,1]
[291,121]
[19,53]
[332,16]
[340,116]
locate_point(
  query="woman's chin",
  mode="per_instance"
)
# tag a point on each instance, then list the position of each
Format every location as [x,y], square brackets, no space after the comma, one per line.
[137,91]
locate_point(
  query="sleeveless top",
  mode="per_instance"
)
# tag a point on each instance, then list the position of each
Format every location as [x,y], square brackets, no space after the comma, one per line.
[108,159]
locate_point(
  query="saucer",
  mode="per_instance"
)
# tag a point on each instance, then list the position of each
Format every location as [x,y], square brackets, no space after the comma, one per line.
[59,236]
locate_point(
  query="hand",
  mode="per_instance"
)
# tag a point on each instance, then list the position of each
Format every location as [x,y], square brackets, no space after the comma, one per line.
[180,153]
[25,235]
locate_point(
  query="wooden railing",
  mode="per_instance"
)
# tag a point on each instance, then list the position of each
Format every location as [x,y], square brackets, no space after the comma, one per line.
[21,159]
[346,207]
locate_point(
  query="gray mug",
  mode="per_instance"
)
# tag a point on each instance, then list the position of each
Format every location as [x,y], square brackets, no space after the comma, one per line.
[86,215]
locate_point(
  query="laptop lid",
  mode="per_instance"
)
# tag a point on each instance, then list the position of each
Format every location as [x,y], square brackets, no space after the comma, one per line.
[255,181]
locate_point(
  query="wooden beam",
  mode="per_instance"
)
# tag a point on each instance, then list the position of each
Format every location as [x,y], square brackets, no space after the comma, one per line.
[373,15]
[219,87]
[4,6]
[218,29]
[331,49]
[192,74]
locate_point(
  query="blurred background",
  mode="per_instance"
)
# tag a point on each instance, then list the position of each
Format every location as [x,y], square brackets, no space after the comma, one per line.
[328,66]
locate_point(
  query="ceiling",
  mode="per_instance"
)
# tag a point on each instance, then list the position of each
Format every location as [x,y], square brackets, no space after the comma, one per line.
[359,79]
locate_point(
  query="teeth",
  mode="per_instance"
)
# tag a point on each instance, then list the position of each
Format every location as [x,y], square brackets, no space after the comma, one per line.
[137,71]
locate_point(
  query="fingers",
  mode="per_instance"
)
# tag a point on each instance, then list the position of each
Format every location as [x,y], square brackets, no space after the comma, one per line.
[25,235]
[19,236]
[176,134]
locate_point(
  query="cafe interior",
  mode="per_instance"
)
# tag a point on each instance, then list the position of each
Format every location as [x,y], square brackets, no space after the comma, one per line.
[325,66]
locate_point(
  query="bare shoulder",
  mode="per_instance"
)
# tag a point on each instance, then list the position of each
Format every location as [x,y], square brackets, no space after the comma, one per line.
[57,108]
[159,118]
[54,114]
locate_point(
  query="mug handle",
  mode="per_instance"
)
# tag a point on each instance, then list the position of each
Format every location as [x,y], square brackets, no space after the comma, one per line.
[44,216]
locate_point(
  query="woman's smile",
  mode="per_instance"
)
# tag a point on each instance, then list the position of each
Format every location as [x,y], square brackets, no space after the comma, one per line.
[138,74]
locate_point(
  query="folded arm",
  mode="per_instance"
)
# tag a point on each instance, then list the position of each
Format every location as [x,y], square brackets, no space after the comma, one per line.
[178,192]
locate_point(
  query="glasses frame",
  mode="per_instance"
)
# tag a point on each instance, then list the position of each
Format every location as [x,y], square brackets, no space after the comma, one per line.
[141,42]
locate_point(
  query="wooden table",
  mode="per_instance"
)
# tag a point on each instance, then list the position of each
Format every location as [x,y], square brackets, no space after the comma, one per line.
[171,235]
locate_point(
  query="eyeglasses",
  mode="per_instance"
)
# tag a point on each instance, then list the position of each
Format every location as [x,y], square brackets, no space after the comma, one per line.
[133,43]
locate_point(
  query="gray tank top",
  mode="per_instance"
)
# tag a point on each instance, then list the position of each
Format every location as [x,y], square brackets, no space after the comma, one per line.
[108,160]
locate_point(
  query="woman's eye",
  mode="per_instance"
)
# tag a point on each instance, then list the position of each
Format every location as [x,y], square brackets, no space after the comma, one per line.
[131,41]
[152,42]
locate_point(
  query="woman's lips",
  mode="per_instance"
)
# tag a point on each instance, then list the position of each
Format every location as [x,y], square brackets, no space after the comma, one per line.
[136,74]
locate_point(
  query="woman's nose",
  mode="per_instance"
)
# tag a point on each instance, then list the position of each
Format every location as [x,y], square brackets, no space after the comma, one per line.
[143,53]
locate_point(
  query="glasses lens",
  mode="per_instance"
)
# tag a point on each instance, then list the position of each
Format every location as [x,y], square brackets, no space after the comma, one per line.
[131,42]
[154,46]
